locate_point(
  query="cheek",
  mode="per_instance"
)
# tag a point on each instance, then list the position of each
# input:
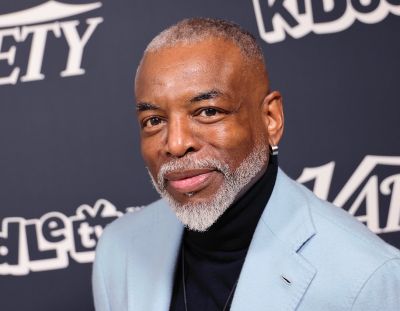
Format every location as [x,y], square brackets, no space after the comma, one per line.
[231,142]
[149,153]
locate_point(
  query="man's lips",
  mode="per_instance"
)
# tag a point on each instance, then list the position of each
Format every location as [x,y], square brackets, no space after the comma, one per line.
[189,180]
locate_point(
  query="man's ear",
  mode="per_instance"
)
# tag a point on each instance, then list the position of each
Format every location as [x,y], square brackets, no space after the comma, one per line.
[272,113]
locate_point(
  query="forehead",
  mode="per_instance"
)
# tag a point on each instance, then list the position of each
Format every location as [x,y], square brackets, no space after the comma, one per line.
[213,63]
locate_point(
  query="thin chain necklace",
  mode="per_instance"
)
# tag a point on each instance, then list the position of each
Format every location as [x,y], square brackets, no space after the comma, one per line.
[184,284]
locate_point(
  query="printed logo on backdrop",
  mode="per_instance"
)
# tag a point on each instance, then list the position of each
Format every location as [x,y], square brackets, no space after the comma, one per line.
[278,18]
[47,243]
[37,24]
[371,193]
[50,242]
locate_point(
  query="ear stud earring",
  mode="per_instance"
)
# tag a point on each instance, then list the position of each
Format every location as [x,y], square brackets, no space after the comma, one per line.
[274,150]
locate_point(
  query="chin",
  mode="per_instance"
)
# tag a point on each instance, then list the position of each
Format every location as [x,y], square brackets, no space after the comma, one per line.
[200,211]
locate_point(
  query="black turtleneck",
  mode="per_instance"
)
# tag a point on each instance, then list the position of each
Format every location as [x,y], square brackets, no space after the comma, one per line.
[213,259]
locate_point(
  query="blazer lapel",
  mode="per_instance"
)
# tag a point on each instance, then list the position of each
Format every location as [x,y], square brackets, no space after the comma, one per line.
[150,274]
[274,276]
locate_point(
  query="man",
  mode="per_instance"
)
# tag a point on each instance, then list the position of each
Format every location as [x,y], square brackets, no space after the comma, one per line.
[248,237]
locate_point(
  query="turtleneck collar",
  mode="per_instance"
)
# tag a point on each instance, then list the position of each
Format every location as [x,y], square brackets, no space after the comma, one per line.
[234,230]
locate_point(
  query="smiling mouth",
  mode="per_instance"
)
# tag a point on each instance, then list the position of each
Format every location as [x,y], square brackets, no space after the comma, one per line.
[189,181]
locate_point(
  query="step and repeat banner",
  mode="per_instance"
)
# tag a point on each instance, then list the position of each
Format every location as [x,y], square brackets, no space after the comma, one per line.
[69,142]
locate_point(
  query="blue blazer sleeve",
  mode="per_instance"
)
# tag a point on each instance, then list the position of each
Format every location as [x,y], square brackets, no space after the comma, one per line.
[100,295]
[381,291]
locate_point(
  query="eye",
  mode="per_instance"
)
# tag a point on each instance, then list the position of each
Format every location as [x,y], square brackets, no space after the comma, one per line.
[210,115]
[151,122]
[208,112]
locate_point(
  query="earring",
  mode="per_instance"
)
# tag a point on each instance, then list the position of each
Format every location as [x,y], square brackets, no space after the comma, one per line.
[274,150]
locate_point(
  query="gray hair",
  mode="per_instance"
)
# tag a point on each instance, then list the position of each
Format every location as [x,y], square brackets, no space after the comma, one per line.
[194,30]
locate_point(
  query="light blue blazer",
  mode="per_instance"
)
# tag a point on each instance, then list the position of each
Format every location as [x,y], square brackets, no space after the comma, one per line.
[330,261]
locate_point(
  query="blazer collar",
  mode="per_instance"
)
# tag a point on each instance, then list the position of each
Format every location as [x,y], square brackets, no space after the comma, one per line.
[274,276]
[287,213]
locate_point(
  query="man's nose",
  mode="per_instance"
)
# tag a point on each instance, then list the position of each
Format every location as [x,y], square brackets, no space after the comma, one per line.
[181,138]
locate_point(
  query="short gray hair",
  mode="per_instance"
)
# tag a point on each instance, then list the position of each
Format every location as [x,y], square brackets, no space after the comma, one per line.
[194,30]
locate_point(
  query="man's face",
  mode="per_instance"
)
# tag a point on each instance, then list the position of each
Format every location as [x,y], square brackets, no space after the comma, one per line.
[200,109]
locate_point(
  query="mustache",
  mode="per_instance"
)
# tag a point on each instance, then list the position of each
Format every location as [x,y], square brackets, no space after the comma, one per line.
[189,163]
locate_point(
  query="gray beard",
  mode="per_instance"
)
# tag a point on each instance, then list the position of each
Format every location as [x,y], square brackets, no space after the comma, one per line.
[199,216]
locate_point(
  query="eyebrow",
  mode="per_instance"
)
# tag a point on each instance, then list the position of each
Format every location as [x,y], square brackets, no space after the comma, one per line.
[146,106]
[143,106]
[206,95]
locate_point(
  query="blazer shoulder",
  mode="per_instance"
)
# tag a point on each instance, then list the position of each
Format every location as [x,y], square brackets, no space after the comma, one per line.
[122,232]
[129,249]
[347,231]
[352,262]
[328,228]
